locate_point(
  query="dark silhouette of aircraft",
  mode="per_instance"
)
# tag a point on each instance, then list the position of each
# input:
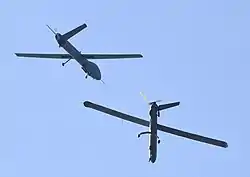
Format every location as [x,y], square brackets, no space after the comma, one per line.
[90,68]
[154,126]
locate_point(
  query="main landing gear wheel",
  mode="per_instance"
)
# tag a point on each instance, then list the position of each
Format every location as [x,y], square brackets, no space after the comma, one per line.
[159,141]
[86,76]
[66,61]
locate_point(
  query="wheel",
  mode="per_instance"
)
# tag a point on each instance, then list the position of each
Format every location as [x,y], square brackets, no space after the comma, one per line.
[63,64]
[159,141]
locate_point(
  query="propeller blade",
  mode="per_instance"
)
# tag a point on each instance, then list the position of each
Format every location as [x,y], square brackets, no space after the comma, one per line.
[151,102]
[157,101]
[144,97]
[51,29]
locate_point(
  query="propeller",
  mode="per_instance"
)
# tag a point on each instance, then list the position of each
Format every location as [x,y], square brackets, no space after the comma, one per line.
[151,102]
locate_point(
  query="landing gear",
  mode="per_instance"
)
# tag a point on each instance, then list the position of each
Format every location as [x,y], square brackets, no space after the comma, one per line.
[86,71]
[149,133]
[143,133]
[66,62]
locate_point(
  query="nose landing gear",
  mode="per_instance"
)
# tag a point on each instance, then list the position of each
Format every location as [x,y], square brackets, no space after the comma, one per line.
[149,133]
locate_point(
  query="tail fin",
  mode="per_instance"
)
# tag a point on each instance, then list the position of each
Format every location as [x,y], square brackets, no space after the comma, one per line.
[169,105]
[73,32]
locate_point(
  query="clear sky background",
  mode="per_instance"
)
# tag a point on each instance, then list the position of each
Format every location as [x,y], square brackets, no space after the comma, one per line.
[195,52]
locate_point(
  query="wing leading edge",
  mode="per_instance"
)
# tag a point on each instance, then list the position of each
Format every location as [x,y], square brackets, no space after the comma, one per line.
[87,56]
[111,56]
[160,127]
[44,55]
[116,113]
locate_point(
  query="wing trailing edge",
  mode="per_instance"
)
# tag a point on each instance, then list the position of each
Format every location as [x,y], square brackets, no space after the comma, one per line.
[192,136]
[111,56]
[87,56]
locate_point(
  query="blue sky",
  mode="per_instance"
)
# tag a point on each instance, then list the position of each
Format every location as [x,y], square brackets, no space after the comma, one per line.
[195,52]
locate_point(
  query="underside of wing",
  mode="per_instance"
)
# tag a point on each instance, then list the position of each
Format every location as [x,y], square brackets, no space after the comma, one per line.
[111,56]
[44,55]
[192,136]
[116,113]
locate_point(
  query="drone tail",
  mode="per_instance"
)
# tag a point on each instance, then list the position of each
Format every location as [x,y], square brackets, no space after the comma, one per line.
[169,105]
[73,32]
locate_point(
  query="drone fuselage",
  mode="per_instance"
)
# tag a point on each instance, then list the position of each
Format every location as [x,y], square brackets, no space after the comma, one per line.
[153,134]
[90,68]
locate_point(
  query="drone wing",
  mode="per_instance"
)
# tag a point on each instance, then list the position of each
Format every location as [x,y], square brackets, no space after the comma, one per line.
[160,127]
[111,56]
[116,113]
[87,56]
[44,55]
[192,136]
